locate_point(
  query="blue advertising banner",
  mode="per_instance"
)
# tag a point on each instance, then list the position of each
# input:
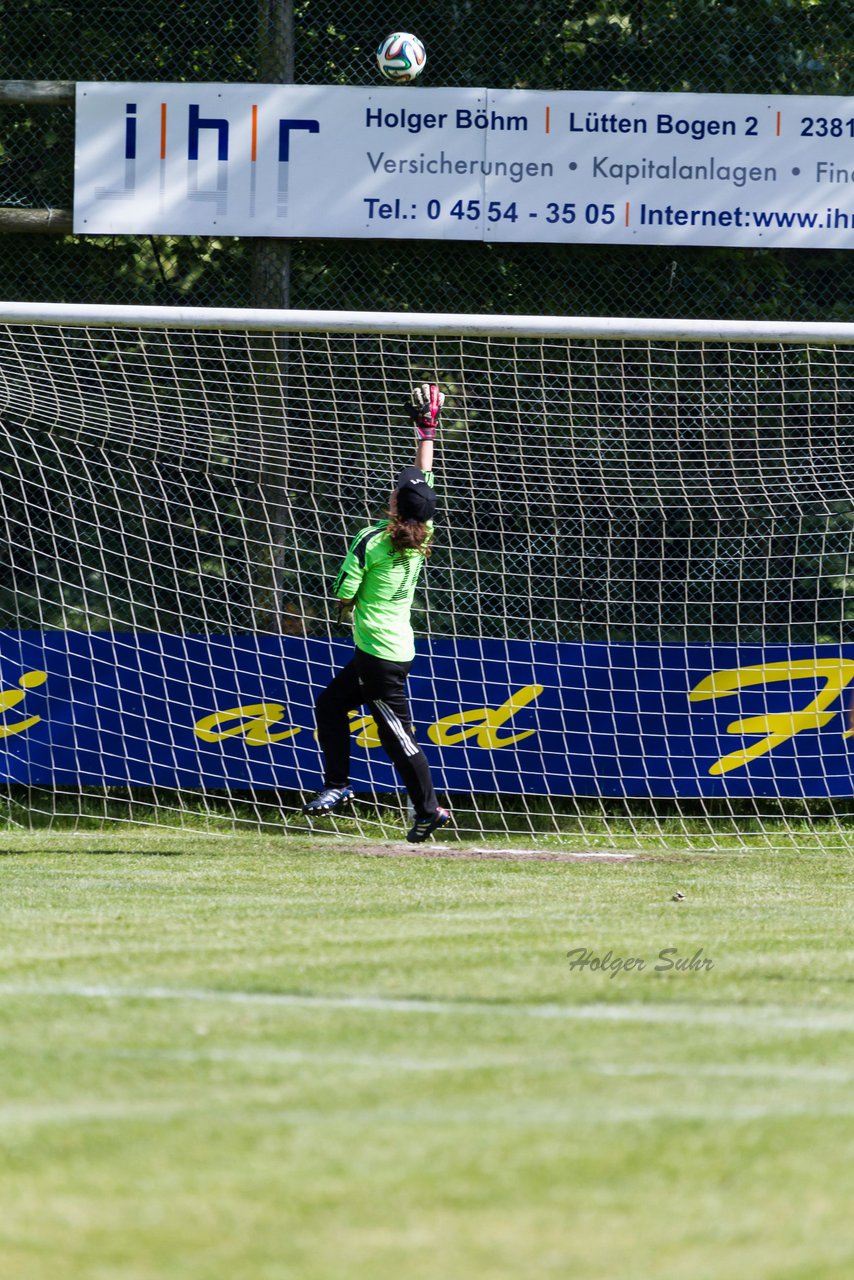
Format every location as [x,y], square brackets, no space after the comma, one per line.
[235,712]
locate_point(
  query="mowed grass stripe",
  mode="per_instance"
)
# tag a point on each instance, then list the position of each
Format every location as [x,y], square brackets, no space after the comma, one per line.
[786,1018]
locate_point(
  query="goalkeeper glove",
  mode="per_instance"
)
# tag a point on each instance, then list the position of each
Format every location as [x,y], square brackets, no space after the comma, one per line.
[424,409]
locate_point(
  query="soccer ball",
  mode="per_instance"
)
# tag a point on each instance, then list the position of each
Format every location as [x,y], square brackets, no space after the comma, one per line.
[401,57]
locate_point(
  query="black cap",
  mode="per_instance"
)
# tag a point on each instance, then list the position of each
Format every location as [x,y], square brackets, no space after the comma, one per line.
[415,499]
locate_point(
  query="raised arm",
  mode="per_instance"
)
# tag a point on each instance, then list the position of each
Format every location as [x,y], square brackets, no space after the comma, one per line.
[424,455]
[424,410]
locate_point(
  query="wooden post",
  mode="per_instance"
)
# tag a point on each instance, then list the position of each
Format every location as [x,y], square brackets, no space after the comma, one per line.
[54,222]
[36,93]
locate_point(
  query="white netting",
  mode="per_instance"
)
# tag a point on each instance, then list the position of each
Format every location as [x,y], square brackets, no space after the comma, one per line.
[619,516]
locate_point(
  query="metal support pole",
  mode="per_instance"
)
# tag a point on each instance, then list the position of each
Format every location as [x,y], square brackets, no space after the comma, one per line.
[270,287]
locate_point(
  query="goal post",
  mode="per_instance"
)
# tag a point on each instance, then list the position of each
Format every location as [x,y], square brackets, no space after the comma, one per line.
[637,620]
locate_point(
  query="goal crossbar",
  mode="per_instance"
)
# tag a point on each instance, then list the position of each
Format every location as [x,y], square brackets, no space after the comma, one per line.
[261,320]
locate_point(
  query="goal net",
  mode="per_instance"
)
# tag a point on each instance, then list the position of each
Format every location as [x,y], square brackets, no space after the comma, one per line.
[636,622]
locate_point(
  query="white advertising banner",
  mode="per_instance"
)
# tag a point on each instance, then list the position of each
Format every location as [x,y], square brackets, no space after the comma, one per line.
[465,164]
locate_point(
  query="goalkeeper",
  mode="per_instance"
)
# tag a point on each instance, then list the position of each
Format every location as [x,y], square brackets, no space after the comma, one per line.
[376,585]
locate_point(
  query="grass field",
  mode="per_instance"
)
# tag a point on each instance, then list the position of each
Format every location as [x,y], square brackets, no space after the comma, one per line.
[263,1058]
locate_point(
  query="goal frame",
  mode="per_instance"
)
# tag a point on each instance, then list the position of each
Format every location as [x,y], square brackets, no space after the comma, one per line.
[505,329]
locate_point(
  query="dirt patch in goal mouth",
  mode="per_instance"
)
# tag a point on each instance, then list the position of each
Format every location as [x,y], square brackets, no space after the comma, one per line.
[450,853]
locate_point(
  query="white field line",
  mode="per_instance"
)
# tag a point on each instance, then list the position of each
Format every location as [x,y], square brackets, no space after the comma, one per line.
[264,1055]
[766,1017]
[263,1104]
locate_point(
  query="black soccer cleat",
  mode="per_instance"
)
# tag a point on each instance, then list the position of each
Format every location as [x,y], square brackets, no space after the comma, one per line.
[329,800]
[423,828]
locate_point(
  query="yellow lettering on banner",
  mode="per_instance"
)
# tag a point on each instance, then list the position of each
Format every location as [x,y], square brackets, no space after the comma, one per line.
[12,697]
[779,727]
[364,729]
[484,722]
[254,722]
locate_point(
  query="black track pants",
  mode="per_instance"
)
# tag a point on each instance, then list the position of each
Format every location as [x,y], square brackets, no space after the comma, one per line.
[382,685]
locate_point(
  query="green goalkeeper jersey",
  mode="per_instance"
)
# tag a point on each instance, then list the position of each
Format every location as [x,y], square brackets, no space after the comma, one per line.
[382,583]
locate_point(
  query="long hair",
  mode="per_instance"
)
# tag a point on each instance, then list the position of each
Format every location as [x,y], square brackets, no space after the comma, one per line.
[408,535]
